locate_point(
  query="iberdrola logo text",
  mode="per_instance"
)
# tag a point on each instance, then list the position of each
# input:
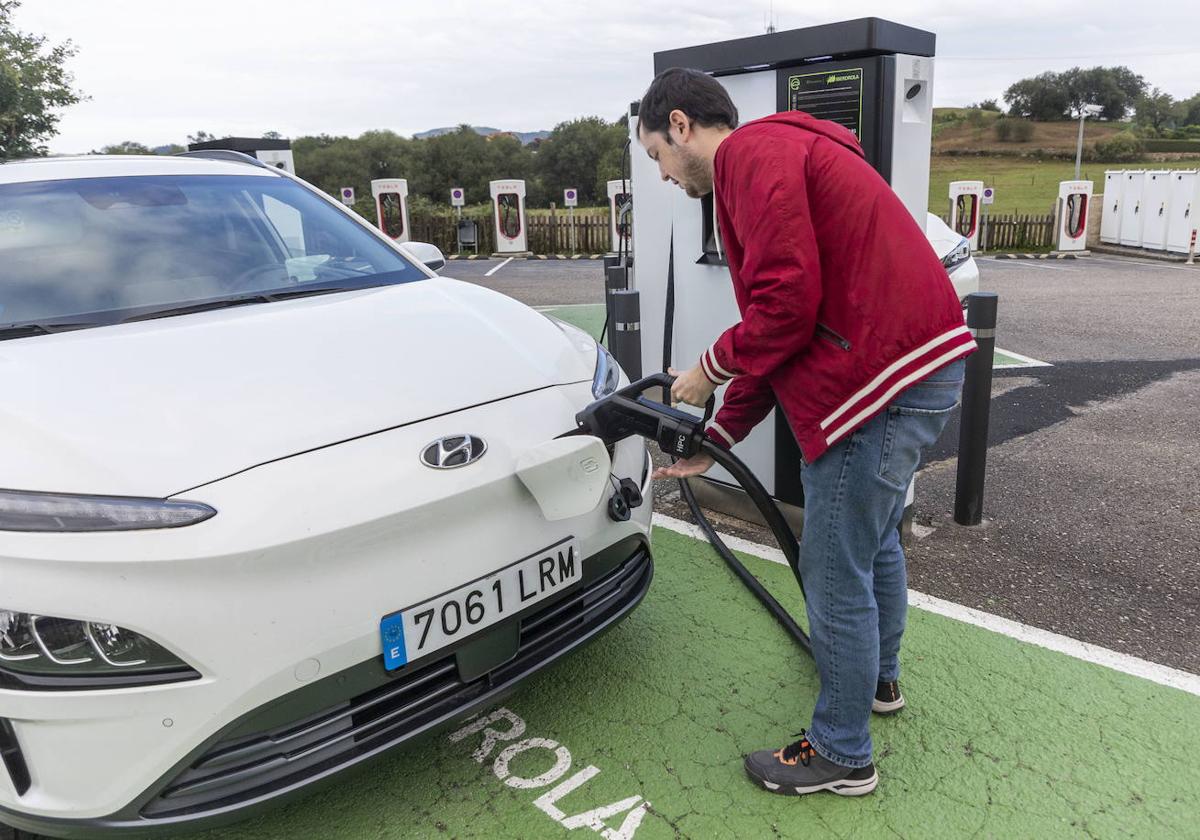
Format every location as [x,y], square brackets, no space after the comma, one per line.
[851,78]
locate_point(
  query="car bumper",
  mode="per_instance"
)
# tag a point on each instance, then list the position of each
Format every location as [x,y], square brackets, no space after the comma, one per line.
[306,738]
[276,603]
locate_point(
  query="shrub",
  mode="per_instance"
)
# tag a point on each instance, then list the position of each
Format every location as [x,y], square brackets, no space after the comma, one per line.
[1125,147]
[1004,129]
[1022,131]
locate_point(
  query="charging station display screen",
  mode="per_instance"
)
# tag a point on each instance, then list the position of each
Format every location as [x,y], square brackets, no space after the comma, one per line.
[834,95]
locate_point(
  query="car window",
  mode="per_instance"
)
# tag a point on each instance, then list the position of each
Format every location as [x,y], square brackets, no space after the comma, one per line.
[95,250]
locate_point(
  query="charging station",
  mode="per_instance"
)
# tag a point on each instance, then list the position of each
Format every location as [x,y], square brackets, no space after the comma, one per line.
[277,153]
[508,215]
[1074,204]
[966,201]
[1183,213]
[1110,217]
[620,224]
[1155,196]
[1131,207]
[391,207]
[870,75]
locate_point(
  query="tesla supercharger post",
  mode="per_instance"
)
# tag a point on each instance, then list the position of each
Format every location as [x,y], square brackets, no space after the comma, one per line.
[1184,210]
[1074,204]
[1131,207]
[620,196]
[276,153]
[1110,217]
[966,202]
[391,207]
[872,76]
[1155,195]
[508,215]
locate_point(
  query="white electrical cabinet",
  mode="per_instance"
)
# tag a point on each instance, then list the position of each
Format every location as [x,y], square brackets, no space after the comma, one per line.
[1183,213]
[1155,193]
[1110,218]
[1131,208]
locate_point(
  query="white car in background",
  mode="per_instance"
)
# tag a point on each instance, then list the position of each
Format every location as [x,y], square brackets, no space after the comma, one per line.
[275,497]
[955,253]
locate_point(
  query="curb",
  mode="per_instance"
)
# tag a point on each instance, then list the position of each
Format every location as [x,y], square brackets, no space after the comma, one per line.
[565,257]
[1034,257]
[1138,253]
[467,257]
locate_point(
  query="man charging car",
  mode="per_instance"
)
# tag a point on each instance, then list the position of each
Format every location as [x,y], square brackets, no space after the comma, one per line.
[850,323]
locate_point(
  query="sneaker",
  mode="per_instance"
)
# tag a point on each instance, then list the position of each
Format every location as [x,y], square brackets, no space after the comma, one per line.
[888,699]
[798,769]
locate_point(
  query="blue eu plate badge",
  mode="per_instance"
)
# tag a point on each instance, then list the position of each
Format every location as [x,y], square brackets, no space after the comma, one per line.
[391,628]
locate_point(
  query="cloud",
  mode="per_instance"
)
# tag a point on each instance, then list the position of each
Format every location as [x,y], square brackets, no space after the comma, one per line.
[309,66]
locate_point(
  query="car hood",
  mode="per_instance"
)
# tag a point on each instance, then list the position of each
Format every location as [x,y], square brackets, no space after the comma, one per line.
[154,408]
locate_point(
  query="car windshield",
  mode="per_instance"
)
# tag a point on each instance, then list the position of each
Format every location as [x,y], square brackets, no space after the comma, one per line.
[93,251]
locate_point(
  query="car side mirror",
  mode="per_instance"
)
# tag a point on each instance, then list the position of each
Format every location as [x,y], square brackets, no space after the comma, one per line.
[429,255]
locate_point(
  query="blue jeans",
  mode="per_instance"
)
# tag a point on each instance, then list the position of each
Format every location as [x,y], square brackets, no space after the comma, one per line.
[852,563]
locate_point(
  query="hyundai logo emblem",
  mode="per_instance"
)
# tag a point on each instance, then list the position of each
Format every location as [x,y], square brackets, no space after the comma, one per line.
[453,451]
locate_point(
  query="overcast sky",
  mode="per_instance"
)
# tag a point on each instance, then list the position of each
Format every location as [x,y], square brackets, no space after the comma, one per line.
[157,72]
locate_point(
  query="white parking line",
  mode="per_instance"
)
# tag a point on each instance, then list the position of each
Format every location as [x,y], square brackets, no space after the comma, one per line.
[1027,264]
[1143,263]
[1026,361]
[497,268]
[1123,662]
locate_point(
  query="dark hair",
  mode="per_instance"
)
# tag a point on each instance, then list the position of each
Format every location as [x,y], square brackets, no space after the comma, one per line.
[697,94]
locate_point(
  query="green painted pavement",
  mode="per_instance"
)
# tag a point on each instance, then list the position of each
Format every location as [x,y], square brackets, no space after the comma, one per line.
[1000,738]
[589,317]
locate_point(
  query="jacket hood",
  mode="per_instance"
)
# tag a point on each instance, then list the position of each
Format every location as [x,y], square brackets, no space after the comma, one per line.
[807,122]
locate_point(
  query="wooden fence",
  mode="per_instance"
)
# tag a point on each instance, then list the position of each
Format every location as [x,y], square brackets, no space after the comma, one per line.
[1015,231]
[551,233]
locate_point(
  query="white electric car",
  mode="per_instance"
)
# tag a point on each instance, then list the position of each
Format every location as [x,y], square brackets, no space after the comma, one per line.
[275,497]
[955,253]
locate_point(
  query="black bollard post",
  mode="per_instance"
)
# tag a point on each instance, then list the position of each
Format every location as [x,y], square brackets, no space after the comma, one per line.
[626,332]
[976,406]
[616,279]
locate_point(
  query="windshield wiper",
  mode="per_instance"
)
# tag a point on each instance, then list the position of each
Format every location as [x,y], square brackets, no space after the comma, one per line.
[43,328]
[199,306]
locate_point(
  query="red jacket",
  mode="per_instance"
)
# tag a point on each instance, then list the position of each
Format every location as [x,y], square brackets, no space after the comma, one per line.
[844,303]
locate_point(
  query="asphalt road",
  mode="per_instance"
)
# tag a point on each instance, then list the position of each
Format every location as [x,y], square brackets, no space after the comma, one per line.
[1092,526]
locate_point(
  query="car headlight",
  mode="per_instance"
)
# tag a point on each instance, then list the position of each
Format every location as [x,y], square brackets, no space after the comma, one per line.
[32,511]
[45,652]
[960,254]
[607,377]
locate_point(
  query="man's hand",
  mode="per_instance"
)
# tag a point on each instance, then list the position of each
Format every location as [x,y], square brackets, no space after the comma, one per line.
[691,387]
[686,468]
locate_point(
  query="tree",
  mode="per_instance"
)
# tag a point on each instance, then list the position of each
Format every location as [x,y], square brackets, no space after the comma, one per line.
[201,137]
[1041,97]
[1155,110]
[574,153]
[1055,96]
[1187,111]
[989,105]
[34,85]
[127,147]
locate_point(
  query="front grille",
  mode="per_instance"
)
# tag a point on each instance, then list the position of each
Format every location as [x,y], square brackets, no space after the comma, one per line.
[234,771]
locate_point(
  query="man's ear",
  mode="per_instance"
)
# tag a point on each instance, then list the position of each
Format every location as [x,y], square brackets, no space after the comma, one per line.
[679,126]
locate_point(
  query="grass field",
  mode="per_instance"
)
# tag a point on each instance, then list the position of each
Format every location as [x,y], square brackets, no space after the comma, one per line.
[1022,185]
